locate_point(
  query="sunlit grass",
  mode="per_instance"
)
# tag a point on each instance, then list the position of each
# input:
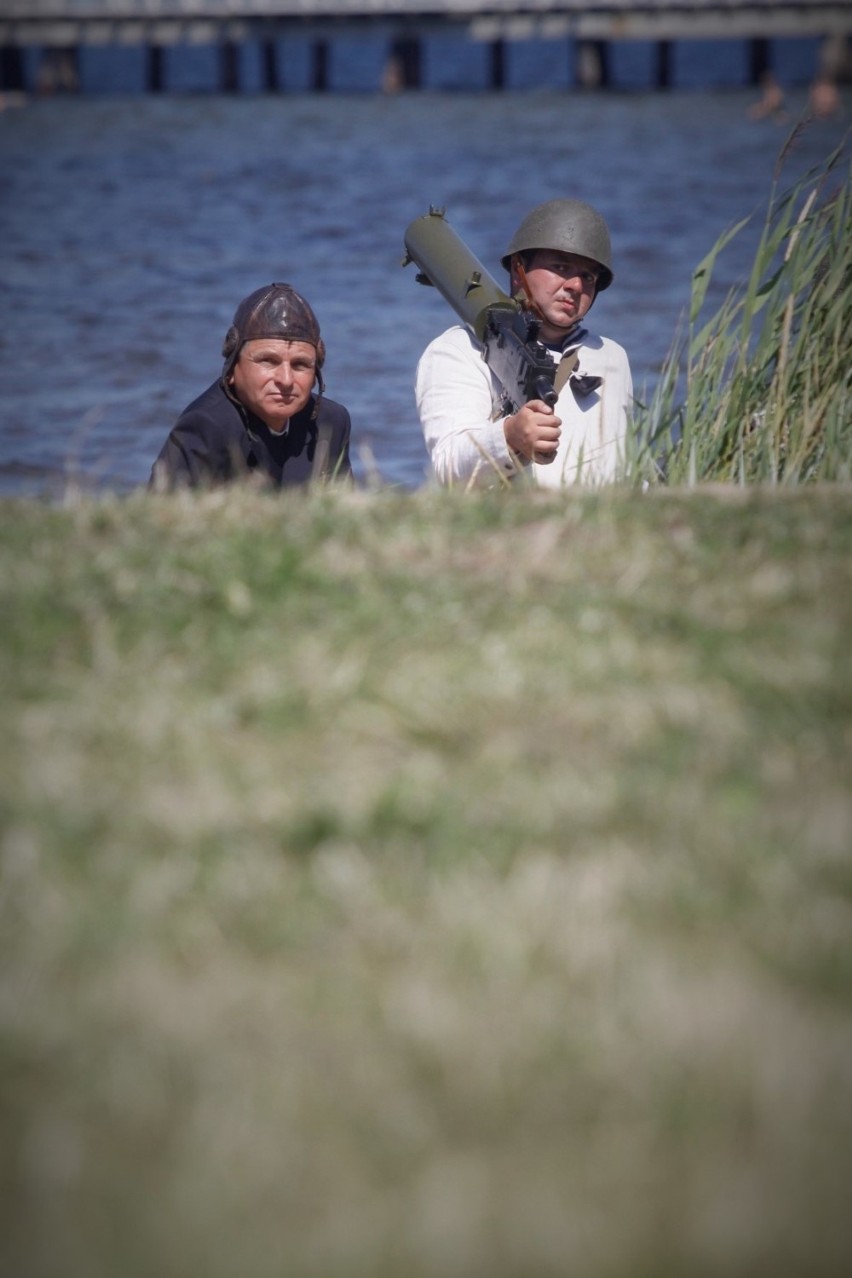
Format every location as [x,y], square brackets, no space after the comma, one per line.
[760,390]
[427,884]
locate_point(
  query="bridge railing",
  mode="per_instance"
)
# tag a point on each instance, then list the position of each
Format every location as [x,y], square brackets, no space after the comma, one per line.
[801,12]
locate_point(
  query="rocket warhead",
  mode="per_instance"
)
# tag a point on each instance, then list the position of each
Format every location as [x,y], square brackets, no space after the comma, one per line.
[446,262]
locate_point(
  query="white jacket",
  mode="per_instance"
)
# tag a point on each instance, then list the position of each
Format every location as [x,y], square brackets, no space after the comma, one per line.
[461,410]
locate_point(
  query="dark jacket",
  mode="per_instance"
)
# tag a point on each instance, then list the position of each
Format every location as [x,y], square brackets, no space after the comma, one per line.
[215,441]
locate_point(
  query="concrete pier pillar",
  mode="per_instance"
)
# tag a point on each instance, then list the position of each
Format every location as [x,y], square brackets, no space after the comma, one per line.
[319,66]
[758,61]
[663,69]
[229,67]
[12,69]
[497,64]
[154,64]
[269,66]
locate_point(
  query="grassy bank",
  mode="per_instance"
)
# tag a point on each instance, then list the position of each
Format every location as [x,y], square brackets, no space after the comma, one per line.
[427,885]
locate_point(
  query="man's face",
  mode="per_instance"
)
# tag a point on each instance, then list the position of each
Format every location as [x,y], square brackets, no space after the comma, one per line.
[273,378]
[562,286]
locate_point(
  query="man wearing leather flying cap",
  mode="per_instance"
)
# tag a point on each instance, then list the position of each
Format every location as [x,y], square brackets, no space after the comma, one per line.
[262,418]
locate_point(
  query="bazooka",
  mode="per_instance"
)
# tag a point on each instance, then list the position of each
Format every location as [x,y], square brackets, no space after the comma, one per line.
[506,329]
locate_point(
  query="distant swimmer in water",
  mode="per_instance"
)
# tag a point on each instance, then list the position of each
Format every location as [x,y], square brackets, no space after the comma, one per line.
[771,104]
[824,98]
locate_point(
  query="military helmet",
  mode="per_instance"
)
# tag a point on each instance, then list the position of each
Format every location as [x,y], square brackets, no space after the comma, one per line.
[278,311]
[569,226]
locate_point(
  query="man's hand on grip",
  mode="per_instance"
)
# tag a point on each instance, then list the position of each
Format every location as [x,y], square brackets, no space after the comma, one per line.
[533,432]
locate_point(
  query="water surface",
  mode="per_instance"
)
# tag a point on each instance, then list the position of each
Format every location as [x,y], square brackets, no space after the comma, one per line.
[130,226]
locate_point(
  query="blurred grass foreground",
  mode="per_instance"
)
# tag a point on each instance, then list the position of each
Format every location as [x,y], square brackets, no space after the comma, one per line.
[427,885]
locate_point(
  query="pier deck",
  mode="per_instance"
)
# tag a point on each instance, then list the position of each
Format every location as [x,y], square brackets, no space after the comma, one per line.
[59,28]
[66,22]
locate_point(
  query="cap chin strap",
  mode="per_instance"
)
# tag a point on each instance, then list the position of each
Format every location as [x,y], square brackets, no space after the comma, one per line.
[320,385]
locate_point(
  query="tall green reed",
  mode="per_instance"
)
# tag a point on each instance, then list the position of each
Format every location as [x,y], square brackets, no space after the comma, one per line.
[760,391]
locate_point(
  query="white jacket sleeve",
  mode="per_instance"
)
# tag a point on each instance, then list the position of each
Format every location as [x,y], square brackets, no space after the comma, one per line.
[457,399]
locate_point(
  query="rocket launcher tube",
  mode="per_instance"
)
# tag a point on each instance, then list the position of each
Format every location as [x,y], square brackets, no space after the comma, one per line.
[460,278]
[507,332]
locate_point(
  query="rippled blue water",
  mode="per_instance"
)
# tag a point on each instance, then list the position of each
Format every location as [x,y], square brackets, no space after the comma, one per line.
[131,225]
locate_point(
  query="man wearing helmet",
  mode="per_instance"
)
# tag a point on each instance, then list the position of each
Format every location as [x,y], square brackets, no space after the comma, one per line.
[558,260]
[261,418]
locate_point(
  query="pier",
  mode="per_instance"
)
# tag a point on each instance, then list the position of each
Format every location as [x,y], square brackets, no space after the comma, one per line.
[58,29]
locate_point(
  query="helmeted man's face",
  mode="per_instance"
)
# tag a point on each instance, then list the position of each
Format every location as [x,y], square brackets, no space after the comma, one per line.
[273,378]
[562,286]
